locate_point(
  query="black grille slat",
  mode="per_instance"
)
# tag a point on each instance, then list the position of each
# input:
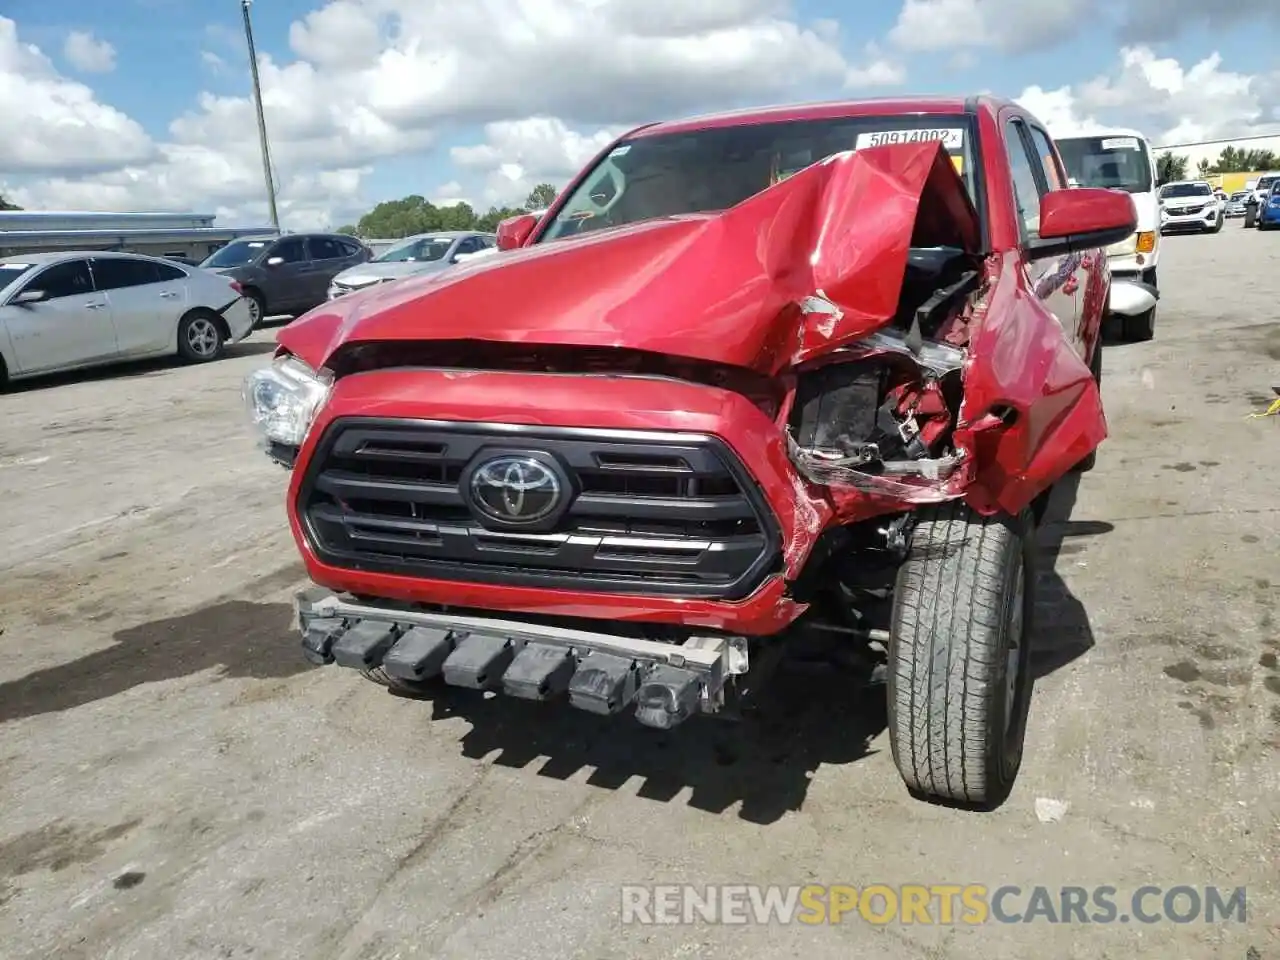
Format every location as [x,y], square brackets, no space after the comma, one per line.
[676,516]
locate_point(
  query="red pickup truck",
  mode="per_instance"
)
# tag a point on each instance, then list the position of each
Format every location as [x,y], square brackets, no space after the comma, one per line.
[753,378]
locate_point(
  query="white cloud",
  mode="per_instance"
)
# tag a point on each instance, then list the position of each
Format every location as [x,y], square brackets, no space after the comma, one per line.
[50,124]
[1006,25]
[1167,101]
[378,78]
[212,61]
[518,155]
[877,70]
[88,54]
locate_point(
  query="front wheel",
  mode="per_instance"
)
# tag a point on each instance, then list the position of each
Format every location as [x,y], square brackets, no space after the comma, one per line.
[257,307]
[959,677]
[1141,326]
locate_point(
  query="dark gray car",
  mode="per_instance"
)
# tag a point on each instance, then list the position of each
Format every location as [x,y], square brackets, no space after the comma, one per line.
[287,275]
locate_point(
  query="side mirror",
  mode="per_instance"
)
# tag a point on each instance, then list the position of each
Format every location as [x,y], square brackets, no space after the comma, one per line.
[1082,218]
[514,231]
[274,261]
[30,296]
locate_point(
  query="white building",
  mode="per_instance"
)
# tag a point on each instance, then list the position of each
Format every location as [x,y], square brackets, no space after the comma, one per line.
[159,234]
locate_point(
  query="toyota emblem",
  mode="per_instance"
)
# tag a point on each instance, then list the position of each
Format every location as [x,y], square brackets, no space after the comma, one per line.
[514,489]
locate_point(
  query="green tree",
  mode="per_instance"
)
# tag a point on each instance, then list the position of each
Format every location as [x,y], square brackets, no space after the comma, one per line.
[1234,160]
[1170,167]
[488,222]
[1203,168]
[541,197]
[349,229]
[6,205]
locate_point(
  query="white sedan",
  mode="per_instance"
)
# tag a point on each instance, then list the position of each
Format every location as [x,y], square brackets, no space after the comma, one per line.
[63,311]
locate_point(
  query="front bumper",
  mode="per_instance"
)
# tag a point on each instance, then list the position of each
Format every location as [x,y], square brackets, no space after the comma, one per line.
[1198,220]
[1131,297]
[599,672]
[668,412]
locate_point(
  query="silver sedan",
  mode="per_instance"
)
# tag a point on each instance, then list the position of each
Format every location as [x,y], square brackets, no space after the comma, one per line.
[63,311]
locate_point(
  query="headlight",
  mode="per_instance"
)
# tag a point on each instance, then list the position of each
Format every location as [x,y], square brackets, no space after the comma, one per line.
[283,399]
[1125,247]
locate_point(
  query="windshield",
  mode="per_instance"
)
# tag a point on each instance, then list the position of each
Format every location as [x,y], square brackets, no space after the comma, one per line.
[10,272]
[1264,183]
[1120,163]
[236,253]
[708,170]
[418,248]
[1185,190]
[1239,194]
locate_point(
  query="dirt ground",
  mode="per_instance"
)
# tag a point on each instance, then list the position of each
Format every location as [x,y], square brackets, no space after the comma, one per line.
[176,781]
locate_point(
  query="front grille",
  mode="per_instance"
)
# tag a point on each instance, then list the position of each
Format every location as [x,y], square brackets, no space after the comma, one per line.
[651,513]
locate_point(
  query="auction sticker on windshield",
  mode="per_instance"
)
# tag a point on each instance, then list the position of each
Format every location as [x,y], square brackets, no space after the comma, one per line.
[950,137]
[1120,143]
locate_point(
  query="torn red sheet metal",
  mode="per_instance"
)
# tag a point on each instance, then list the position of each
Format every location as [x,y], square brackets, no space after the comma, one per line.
[803,267]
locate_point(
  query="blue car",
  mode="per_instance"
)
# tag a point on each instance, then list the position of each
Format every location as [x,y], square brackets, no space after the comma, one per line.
[1269,211]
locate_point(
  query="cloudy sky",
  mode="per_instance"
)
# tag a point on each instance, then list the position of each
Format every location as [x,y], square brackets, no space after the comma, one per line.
[145,104]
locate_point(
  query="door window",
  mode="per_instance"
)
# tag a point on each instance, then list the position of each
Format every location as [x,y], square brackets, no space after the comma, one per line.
[70,279]
[110,273]
[322,248]
[1026,185]
[167,272]
[469,245]
[291,250]
[1054,175]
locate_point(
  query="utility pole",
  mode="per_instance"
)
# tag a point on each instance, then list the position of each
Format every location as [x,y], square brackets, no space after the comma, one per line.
[262,120]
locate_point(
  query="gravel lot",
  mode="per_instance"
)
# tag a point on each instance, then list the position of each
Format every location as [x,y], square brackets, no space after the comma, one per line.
[176,781]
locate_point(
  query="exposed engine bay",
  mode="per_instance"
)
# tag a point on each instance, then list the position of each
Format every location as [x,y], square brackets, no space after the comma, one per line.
[881,413]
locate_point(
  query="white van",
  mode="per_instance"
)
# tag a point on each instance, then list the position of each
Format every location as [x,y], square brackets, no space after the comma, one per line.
[1122,159]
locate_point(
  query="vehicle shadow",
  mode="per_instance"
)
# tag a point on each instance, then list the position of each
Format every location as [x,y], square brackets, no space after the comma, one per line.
[763,761]
[132,370]
[243,637]
[803,720]
[1062,632]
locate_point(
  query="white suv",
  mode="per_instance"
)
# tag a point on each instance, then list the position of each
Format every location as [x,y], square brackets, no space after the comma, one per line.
[1190,205]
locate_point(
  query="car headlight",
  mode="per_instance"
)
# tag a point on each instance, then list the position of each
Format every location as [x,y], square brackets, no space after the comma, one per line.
[1125,247]
[284,398]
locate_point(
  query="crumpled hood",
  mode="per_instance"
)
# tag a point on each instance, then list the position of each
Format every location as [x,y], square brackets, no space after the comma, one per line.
[801,268]
[373,272]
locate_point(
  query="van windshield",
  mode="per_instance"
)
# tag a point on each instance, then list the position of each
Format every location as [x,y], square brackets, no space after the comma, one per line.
[1120,163]
[704,171]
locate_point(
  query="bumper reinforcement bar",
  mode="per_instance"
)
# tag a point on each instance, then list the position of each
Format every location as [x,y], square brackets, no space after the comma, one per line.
[599,672]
